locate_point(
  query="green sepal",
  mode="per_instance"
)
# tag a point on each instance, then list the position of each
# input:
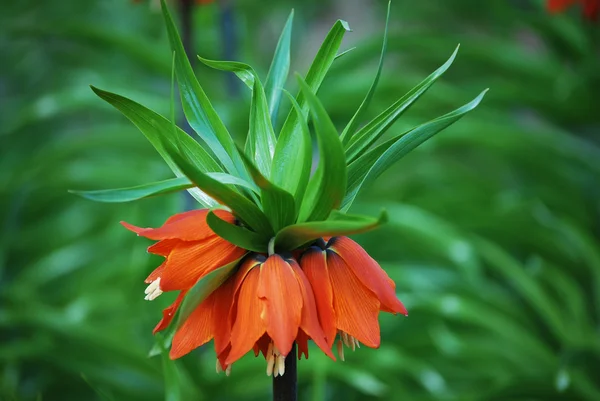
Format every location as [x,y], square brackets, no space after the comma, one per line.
[279,69]
[237,235]
[372,131]
[289,149]
[370,165]
[277,203]
[159,131]
[348,132]
[297,235]
[198,109]
[327,187]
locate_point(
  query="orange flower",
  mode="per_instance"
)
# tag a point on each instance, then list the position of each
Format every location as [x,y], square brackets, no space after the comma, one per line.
[191,249]
[350,289]
[591,8]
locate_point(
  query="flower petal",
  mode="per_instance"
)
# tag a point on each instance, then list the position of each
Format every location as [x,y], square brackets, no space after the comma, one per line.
[168,313]
[314,267]
[559,5]
[309,323]
[279,290]
[368,271]
[189,261]
[155,274]
[356,308]
[248,327]
[164,247]
[188,226]
[302,341]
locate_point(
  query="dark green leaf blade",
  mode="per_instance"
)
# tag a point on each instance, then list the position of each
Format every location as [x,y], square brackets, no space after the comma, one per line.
[158,130]
[278,204]
[348,132]
[289,152]
[137,192]
[197,107]
[327,186]
[293,237]
[241,207]
[280,66]
[260,142]
[370,165]
[237,235]
[367,135]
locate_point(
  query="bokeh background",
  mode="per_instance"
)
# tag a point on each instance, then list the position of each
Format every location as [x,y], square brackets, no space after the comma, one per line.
[494,232]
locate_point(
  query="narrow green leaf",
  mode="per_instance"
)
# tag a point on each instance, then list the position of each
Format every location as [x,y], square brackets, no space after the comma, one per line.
[367,135]
[225,178]
[293,237]
[237,235]
[339,55]
[171,377]
[370,165]
[202,289]
[260,142]
[303,154]
[278,204]
[348,132]
[327,186]
[279,69]
[289,151]
[138,192]
[243,208]
[197,107]
[158,130]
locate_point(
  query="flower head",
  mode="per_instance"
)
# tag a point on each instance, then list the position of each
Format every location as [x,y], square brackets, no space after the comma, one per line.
[591,8]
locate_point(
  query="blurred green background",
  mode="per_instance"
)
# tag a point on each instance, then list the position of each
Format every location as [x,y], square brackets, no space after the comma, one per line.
[494,233]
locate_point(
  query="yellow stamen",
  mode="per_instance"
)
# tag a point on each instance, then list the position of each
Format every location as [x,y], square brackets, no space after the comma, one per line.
[340,350]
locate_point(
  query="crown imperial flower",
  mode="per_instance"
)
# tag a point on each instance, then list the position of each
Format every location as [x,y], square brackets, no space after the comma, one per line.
[276,268]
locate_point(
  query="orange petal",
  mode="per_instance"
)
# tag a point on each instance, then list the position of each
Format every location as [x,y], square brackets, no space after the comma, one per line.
[188,226]
[197,330]
[189,261]
[221,309]
[133,228]
[248,326]
[559,5]
[356,308]
[168,313]
[279,290]
[310,320]
[315,268]
[262,345]
[164,247]
[368,271]
[155,274]
[302,341]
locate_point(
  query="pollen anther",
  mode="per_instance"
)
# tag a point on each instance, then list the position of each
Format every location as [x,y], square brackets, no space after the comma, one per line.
[153,290]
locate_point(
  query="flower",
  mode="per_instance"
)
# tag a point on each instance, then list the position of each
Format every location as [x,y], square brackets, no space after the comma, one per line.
[265,306]
[350,289]
[191,249]
[591,8]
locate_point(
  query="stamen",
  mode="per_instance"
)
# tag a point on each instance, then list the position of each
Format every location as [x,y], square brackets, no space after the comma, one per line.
[153,290]
[270,360]
[281,364]
[344,336]
[340,350]
[219,368]
[275,361]
[228,370]
[357,343]
[352,343]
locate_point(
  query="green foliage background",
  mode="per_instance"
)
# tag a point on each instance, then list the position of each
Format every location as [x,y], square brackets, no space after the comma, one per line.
[493,238]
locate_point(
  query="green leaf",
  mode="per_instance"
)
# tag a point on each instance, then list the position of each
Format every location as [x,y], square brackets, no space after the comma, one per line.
[260,142]
[367,135]
[158,130]
[290,152]
[171,376]
[233,180]
[197,107]
[293,237]
[279,69]
[371,164]
[243,208]
[348,132]
[202,289]
[278,204]
[237,235]
[138,192]
[327,186]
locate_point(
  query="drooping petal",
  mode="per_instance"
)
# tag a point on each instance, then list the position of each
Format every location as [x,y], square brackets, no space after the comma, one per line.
[356,307]
[168,313]
[155,274]
[591,9]
[189,261]
[302,342]
[309,323]
[279,290]
[556,6]
[163,248]
[368,271]
[189,226]
[248,326]
[205,323]
[314,267]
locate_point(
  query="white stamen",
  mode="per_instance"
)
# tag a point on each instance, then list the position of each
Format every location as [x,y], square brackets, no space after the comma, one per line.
[345,338]
[340,350]
[357,343]
[281,364]
[153,290]
[219,368]
[228,370]
[270,360]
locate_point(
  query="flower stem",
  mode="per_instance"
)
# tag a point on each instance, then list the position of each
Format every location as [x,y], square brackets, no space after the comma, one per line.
[285,387]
